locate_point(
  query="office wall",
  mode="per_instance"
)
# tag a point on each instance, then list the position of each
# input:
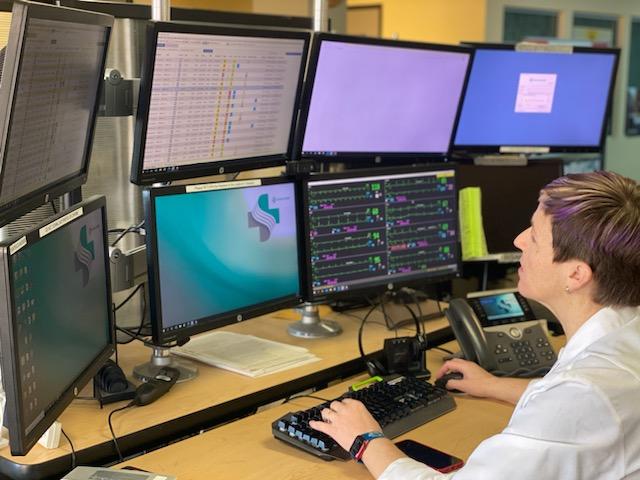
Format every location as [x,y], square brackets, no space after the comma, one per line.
[295,8]
[441,21]
[622,152]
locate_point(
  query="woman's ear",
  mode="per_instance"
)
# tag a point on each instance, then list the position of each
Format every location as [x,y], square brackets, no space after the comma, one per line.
[579,275]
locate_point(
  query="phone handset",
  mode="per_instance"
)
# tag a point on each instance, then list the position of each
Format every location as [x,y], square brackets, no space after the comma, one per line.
[470,335]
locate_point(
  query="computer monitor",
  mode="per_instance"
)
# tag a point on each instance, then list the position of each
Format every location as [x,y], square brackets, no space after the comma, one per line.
[509,197]
[216,99]
[220,253]
[51,77]
[536,101]
[373,99]
[56,319]
[369,231]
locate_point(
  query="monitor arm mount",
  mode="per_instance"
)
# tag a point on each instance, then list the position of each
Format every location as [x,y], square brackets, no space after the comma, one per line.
[312,326]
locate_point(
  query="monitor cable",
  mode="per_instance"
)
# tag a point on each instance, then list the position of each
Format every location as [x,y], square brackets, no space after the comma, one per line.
[73,450]
[113,435]
[136,330]
[133,228]
[304,395]
[360,330]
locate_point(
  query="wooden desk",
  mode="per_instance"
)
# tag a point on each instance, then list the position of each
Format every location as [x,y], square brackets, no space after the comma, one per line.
[246,449]
[214,397]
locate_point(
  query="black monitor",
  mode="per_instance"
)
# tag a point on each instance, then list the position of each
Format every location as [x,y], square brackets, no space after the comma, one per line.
[509,197]
[522,100]
[373,99]
[220,253]
[216,99]
[56,320]
[369,231]
[51,77]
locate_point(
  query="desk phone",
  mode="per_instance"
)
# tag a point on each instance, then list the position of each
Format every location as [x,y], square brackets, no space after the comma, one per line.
[499,331]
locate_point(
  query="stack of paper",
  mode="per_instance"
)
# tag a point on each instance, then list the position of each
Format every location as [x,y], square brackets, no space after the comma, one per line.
[474,243]
[244,354]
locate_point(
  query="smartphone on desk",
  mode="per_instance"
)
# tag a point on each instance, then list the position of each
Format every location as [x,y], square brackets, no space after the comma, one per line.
[440,461]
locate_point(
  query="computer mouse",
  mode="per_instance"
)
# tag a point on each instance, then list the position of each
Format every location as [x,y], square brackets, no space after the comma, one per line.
[442,381]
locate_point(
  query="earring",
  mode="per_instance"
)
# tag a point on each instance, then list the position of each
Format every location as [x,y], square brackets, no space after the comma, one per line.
[566,289]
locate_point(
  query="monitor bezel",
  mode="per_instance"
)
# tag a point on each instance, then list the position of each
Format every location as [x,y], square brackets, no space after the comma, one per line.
[21,13]
[21,442]
[221,319]
[139,176]
[383,285]
[376,157]
[488,149]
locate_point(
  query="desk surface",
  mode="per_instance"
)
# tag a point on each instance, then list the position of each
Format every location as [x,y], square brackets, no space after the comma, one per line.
[214,397]
[246,448]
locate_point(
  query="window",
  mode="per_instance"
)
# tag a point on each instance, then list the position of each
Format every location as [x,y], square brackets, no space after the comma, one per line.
[522,24]
[633,87]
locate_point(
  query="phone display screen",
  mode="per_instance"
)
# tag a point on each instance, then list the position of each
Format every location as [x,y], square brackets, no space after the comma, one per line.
[500,307]
[443,462]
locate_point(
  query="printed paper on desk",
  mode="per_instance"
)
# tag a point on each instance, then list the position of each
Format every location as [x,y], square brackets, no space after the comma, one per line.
[244,354]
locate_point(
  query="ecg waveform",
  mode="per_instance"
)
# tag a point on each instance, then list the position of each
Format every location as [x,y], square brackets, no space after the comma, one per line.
[379,230]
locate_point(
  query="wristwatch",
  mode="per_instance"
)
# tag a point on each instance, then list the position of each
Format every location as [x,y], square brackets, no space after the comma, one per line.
[361,443]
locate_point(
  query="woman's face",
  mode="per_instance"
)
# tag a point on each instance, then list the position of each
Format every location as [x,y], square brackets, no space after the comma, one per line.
[539,277]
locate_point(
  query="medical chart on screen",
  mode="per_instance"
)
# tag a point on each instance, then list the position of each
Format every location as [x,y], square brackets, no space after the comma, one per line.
[535,92]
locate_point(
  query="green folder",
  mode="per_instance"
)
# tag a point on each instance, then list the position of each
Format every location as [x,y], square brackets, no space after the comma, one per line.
[474,243]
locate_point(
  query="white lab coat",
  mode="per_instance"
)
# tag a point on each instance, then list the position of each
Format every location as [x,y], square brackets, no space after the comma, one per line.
[581,421]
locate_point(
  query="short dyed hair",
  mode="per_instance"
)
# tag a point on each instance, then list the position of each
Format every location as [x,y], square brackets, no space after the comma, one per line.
[595,218]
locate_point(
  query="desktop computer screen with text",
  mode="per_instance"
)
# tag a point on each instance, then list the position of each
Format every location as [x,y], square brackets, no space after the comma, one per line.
[221,255]
[375,230]
[50,85]
[56,322]
[543,99]
[376,97]
[215,99]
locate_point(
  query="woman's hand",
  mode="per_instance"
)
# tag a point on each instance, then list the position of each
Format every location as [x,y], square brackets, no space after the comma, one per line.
[478,382]
[475,380]
[345,420]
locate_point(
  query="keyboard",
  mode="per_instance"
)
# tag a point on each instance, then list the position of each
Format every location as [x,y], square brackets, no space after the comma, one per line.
[399,404]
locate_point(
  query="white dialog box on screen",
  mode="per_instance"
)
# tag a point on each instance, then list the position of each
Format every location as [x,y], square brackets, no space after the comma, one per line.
[535,92]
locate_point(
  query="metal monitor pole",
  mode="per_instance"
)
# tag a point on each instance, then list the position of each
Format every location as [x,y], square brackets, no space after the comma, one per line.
[161,11]
[311,325]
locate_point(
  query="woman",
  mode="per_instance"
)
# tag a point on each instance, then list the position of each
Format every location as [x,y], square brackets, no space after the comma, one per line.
[580,258]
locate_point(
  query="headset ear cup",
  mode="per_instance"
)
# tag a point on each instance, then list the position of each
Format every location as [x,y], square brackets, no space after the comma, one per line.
[375,367]
[111,379]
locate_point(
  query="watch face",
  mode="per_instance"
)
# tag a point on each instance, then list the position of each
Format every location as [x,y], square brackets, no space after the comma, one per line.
[360,443]
[356,446]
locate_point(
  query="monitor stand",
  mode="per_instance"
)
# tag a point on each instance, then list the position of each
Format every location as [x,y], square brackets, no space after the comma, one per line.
[312,326]
[161,357]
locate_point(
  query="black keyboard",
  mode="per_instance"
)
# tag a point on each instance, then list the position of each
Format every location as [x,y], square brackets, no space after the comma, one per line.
[399,404]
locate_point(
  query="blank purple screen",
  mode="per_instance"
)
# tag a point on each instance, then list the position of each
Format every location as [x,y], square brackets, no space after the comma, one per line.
[383,99]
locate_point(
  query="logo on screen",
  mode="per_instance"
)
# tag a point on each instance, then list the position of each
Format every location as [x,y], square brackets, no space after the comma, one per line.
[263,217]
[85,255]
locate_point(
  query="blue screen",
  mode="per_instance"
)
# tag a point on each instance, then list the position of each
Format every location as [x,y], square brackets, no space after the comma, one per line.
[535,99]
[224,250]
[501,306]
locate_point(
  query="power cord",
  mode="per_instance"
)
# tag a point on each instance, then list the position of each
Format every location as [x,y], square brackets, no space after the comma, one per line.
[73,450]
[113,435]
[364,320]
[132,228]
[293,397]
[129,297]
[448,352]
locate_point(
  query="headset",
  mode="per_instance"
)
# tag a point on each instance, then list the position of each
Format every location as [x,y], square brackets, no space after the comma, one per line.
[402,355]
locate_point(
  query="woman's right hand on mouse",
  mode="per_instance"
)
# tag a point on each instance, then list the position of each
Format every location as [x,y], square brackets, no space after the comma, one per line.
[476,380]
